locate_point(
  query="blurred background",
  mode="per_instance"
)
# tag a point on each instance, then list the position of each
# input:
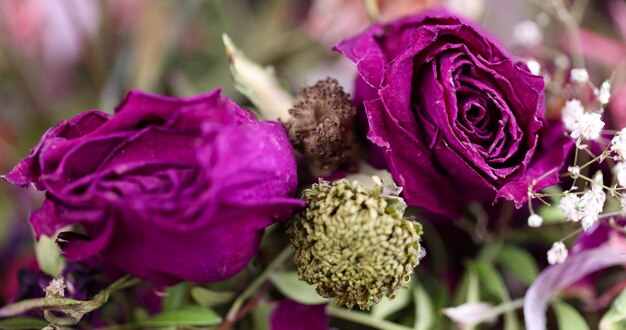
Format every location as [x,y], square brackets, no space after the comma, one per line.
[62,57]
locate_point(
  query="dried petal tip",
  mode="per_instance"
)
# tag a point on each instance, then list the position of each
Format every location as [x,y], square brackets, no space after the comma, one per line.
[56,288]
[355,244]
[322,125]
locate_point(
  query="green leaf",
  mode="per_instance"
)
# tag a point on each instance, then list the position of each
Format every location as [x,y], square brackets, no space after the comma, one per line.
[469,289]
[519,262]
[424,311]
[176,296]
[49,256]
[615,318]
[22,323]
[290,285]
[493,283]
[261,316]
[388,306]
[187,315]
[491,280]
[612,320]
[490,252]
[568,317]
[207,298]
[259,84]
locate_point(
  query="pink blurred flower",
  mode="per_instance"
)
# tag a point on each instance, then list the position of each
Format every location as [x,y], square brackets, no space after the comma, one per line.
[125,12]
[291,315]
[612,54]
[332,20]
[52,31]
[7,143]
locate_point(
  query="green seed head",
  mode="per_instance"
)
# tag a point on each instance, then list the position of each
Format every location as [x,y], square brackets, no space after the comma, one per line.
[355,244]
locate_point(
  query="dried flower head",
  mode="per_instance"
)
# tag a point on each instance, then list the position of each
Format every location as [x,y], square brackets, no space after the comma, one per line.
[56,288]
[355,244]
[322,124]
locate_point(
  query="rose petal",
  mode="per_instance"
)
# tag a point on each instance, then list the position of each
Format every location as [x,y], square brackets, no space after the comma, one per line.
[290,315]
[558,277]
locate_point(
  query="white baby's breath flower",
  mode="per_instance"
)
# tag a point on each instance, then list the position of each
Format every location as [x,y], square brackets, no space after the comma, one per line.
[56,288]
[589,220]
[534,67]
[557,254]
[571,206]
[618,145]
[593,202]
[527,33]
[574,171]
[579,75]
[588,126]
[619,170]
[570,113]
[535,220]
[604,95]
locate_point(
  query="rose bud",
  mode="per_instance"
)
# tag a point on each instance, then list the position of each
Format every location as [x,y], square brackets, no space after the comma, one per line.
[354,244]
[167,189]
[457,119]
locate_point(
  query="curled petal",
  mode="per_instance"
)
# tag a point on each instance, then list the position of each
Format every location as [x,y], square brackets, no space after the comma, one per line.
[558,277]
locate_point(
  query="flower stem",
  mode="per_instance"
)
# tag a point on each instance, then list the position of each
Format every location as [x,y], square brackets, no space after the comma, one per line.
[570,235]
[74,308]
[258,282]
[363,318]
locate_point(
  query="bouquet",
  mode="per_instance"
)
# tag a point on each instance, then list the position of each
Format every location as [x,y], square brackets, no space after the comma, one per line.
[325,164]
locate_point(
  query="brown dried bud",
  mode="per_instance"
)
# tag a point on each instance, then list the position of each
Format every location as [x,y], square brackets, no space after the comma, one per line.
[321,127]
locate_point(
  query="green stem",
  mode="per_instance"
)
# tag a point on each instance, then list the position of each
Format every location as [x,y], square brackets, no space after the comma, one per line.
[373,10]
[572,234]
[363,318]
[592,161]
[72,307]
[588,179]
[258,282]
[611,214]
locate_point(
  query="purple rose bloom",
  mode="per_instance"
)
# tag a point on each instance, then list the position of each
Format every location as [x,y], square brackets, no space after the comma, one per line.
[457,119]
[291,315]
[167,189]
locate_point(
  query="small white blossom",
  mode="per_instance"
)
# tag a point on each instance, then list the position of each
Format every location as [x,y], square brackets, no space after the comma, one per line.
[588,126]
[619,170]
[572,207]
[579,76]
[623,202]
[604,95]
[593,203]
[533,66]
[589,221]
[56,288]
[527,33]
[574,171]
[570,113]
[557,254]
[535,220]
[618,144]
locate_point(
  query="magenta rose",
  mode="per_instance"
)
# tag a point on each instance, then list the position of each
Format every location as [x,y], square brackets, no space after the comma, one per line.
[167,189]
[457,119]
